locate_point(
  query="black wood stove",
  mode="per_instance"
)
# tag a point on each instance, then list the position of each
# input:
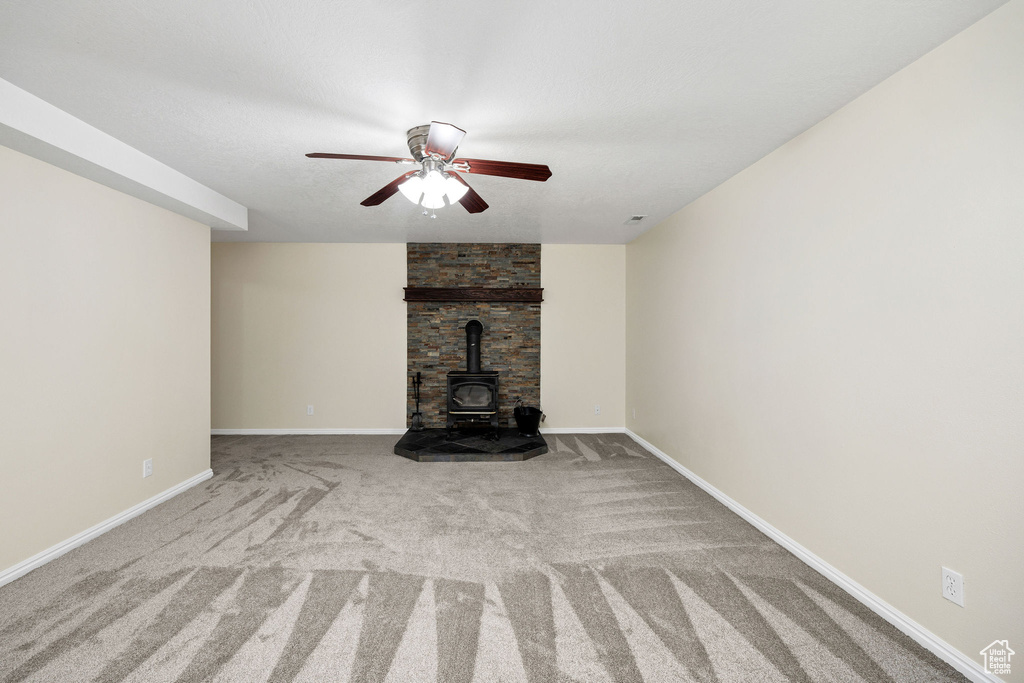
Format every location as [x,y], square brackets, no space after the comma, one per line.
[473,393]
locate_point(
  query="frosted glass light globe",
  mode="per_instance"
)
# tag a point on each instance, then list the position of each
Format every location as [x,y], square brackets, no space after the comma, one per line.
[433,183]
[412,188]
[432,200]
[454,189]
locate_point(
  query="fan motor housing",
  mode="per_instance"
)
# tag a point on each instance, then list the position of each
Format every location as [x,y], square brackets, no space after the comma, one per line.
[417,138]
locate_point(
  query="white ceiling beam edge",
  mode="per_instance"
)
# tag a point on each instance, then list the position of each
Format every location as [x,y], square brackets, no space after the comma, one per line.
[41,130]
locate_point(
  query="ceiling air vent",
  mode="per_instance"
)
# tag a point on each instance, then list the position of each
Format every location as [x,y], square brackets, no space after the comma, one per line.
[633,220]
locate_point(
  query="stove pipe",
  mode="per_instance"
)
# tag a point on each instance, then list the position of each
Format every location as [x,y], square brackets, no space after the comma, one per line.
[473,330]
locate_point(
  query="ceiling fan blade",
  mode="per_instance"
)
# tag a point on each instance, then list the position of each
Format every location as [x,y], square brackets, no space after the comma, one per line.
[472,202]
[505,169]
[443,139]
[363,157]
[387,191]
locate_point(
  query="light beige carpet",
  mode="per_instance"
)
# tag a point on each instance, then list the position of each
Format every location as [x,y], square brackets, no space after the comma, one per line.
[328,558]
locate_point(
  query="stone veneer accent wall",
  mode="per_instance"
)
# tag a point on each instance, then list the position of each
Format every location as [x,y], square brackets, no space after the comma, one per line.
[510,342]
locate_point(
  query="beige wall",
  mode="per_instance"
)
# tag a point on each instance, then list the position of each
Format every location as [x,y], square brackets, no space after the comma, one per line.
[104,345]
[841,336]
[308,324]
[583,336]
[322,324]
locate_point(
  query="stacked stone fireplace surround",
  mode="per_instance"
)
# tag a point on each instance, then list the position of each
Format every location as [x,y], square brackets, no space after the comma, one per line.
[510,342]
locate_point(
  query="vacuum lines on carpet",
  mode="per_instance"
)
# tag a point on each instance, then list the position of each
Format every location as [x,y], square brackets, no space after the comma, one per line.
[329,558]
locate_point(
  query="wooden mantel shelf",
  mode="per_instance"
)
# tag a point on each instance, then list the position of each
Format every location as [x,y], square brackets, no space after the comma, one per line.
[529,295]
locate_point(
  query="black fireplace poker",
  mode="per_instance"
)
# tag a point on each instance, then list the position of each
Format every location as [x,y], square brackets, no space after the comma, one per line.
[417,416]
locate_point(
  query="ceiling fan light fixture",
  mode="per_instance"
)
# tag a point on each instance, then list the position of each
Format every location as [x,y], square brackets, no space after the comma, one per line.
[428,187]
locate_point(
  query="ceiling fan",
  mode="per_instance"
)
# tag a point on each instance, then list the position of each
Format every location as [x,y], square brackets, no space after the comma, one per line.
[433,148]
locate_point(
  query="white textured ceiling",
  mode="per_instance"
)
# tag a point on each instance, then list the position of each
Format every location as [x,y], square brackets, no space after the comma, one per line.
[637,107]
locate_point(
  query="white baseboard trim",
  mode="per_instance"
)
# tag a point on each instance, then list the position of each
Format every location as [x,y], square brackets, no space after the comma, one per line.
[346,430]
[582,430]
[940,648]
[285,432]
[22,568]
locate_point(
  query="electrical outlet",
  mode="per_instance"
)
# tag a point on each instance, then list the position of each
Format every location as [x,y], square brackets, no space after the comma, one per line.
[309,410]
[953,586]
[634,413]
[147,467]
[597,409]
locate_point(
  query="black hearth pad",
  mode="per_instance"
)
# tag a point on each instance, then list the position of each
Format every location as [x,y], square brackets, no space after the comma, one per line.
[469,445]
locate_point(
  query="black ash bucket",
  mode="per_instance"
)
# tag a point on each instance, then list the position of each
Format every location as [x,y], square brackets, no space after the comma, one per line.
[528,420]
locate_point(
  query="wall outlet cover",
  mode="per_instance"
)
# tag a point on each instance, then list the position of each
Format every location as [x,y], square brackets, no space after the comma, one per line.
[953,586]
[147,467]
